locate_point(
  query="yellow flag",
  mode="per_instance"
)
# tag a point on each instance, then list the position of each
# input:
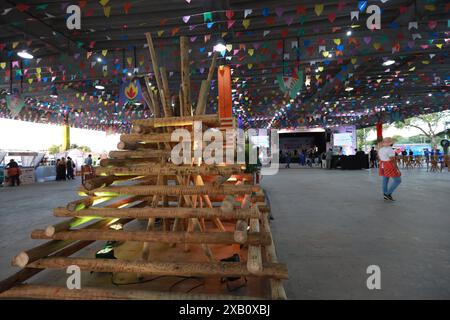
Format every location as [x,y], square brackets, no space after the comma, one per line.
[337,41]
[318,8]
[246,23]
[104,52]
[107,11]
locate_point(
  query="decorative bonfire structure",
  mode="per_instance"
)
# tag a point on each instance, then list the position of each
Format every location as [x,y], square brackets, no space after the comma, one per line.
[207,223]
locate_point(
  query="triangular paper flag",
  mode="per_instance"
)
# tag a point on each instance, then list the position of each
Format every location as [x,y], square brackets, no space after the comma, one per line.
[318,9]
[107,11]
[337,41]
[247,12]
[104,52]
[246,23]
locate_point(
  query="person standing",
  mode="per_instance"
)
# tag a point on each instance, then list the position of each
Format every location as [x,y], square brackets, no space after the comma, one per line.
[388,168]
[288,159]
[70,167]
[373,158]
[13,172]
[61,169]
[328,158]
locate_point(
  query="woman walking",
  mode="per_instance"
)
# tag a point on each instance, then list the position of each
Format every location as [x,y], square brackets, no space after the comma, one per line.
[388,168]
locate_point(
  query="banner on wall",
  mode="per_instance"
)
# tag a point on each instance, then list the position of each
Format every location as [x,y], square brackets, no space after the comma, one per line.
[130,91]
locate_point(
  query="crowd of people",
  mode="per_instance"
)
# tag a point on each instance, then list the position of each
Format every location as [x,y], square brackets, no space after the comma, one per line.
[303,156]
[65,169]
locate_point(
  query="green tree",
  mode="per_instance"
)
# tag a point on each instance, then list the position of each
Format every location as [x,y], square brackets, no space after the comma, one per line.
[427,123]
[54,149]
[361,137]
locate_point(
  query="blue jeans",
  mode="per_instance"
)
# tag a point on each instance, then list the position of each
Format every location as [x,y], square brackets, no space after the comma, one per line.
[390,189]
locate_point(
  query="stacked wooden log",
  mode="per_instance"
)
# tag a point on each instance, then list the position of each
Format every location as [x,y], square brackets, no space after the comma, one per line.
[209,210]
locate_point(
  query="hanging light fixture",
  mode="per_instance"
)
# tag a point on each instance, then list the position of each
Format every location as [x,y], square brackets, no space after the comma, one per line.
[99,87]
[25,54]
[388,62]
[220,45]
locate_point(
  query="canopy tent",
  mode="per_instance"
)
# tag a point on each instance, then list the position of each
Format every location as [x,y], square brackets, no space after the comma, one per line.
[345,72]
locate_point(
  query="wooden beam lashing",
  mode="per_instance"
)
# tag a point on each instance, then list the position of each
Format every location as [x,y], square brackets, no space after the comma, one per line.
[61,293]
[153,236]
[177,269]
[254,261]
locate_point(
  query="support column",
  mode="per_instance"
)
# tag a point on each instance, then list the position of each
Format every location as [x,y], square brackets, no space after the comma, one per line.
[225,101]
[66,134]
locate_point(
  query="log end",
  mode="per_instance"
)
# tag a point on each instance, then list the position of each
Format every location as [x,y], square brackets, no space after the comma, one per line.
[50,231]
[21,260]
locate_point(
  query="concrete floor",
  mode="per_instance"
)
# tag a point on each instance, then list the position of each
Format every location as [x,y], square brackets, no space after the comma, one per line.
[329,227]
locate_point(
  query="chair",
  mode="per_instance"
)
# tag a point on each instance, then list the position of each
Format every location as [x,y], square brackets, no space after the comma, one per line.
[418,162]
[434,164]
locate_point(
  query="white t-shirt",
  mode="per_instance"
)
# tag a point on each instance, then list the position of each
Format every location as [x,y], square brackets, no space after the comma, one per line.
[386,153]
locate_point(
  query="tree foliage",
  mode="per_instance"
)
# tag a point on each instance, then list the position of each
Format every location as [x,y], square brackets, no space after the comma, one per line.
[428,124]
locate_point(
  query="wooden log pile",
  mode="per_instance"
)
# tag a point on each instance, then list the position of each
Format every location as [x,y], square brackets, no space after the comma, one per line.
[208,206]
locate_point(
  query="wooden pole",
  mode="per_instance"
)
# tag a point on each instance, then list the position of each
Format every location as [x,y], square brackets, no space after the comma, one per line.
[60,293]
[165,93]
[177,190]
[185,80]
[27,273]
[276,286]
[153,236]
[204,89]
[67,224]
[138,154]
[209,120]
[25,257]
[176,269]
[169,212]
